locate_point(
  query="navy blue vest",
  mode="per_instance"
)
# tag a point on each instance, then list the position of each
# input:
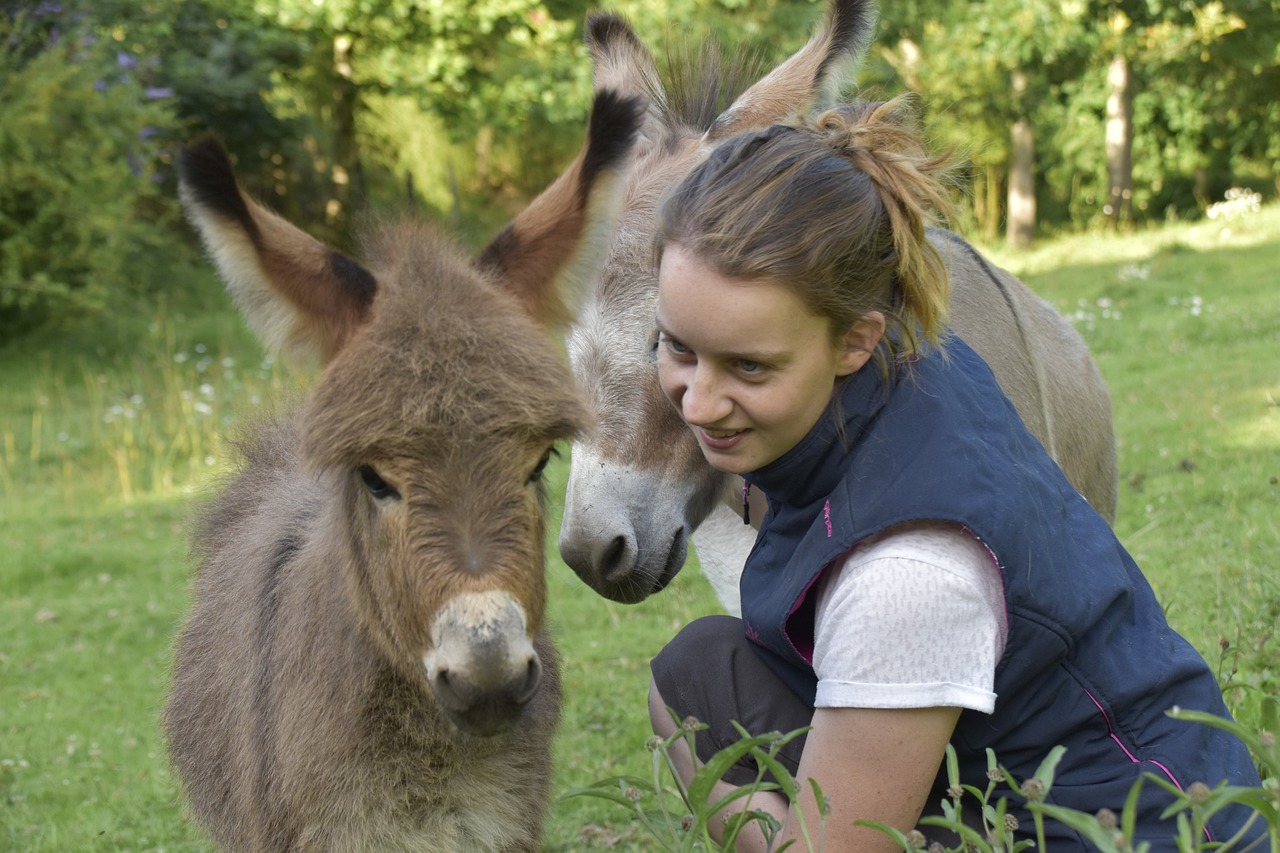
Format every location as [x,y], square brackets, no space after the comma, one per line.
[1090,663]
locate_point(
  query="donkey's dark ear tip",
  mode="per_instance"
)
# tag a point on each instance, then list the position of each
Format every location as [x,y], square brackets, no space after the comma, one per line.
[611,133]
[604,27]
[209,181]
[202,159]
[613,112]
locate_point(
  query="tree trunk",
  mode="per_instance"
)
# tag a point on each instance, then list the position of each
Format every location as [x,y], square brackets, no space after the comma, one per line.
[346,176]
[995,180]
[1119,140]
[980,202]
[484,154]
[1020,226]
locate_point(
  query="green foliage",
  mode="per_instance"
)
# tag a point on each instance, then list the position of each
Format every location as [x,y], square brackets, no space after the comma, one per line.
[679,813]
[1202,120]
[220,59]
[240,75]
[1105,830]
[491,75]
[224,62]
[1191,808]
[80,144]
[332,109]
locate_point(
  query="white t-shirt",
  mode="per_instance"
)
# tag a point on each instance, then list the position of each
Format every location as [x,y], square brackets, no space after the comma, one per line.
[912,618]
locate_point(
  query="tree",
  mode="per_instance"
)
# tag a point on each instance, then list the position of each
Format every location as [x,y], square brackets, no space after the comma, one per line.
[1136,106]
[1020,228]
[1119,141]
[991,70]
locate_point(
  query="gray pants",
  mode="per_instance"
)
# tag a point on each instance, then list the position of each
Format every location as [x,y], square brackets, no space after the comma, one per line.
[711,671]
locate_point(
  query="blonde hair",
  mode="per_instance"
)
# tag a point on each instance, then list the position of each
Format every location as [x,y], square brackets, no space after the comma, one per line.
[834,209]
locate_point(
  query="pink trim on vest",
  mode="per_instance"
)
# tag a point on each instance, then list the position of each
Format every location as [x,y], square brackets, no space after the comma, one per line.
[1165,770]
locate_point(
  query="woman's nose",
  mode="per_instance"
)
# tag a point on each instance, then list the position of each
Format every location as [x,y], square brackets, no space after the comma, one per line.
[704,401]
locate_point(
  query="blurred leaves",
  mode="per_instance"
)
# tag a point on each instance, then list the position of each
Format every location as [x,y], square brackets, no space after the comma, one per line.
[82,125]
[334,108]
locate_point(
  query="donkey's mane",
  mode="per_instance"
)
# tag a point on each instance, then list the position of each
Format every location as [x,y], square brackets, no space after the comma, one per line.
[702,83]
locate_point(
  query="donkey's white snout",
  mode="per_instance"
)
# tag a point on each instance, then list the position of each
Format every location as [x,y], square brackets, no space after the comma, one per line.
[483,668]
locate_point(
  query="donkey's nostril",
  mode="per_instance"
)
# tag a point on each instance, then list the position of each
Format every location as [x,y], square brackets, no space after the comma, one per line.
[447,692]
[615,561]
[675,560]
[532,679]
[483,668]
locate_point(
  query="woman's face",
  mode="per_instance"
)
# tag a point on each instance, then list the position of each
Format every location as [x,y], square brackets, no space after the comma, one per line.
[744,362]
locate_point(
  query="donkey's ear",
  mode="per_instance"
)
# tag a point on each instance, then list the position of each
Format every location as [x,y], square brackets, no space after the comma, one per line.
[624,65]
[555,247]
[302,298]
[810,79]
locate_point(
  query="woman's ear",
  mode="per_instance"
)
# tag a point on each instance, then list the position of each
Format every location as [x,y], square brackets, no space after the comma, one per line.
[860,343]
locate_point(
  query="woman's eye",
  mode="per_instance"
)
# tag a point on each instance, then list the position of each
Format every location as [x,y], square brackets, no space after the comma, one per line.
[377,486]
[536,475]
[673,345]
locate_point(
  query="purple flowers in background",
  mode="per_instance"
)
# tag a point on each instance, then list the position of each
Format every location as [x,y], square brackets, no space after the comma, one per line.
[52,15]
[127,62]
[122,72]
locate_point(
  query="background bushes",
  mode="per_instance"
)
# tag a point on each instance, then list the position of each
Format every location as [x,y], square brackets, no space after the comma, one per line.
[81,194]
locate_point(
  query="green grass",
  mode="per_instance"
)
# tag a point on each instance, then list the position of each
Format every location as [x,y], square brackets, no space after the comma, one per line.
[109,433]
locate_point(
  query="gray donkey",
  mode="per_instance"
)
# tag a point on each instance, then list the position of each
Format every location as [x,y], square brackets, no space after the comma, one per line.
[365,665]
[639,487]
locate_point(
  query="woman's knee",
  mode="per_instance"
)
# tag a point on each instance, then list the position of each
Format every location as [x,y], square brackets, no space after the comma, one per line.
[706,638]
[690,676]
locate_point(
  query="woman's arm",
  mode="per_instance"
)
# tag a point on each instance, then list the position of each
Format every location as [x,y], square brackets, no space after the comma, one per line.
[871,764]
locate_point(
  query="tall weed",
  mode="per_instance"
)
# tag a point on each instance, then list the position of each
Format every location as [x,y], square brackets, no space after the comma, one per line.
[153,421]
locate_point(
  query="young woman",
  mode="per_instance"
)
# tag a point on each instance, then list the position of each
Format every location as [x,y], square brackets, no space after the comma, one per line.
[924,574]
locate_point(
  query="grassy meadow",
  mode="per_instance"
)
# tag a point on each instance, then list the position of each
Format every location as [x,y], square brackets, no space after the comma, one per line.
[110,434]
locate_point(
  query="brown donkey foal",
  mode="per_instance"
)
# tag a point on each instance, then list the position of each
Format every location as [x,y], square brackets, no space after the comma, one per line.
[364,666]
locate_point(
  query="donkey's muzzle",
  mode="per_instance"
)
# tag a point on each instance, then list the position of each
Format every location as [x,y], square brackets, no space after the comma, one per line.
[483,669]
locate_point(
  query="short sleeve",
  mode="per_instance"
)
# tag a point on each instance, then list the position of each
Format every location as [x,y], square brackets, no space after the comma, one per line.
[914,618]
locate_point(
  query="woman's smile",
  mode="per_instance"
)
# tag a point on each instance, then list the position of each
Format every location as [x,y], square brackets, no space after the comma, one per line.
[719,439]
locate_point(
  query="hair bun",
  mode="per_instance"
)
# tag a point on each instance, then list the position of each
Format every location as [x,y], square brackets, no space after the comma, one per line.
[873,127]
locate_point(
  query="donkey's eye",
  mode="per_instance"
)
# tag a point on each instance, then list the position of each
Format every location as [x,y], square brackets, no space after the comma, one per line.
[377,486]
[536,475]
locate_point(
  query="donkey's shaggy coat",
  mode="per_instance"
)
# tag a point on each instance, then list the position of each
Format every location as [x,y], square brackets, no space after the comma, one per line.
[364,666]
